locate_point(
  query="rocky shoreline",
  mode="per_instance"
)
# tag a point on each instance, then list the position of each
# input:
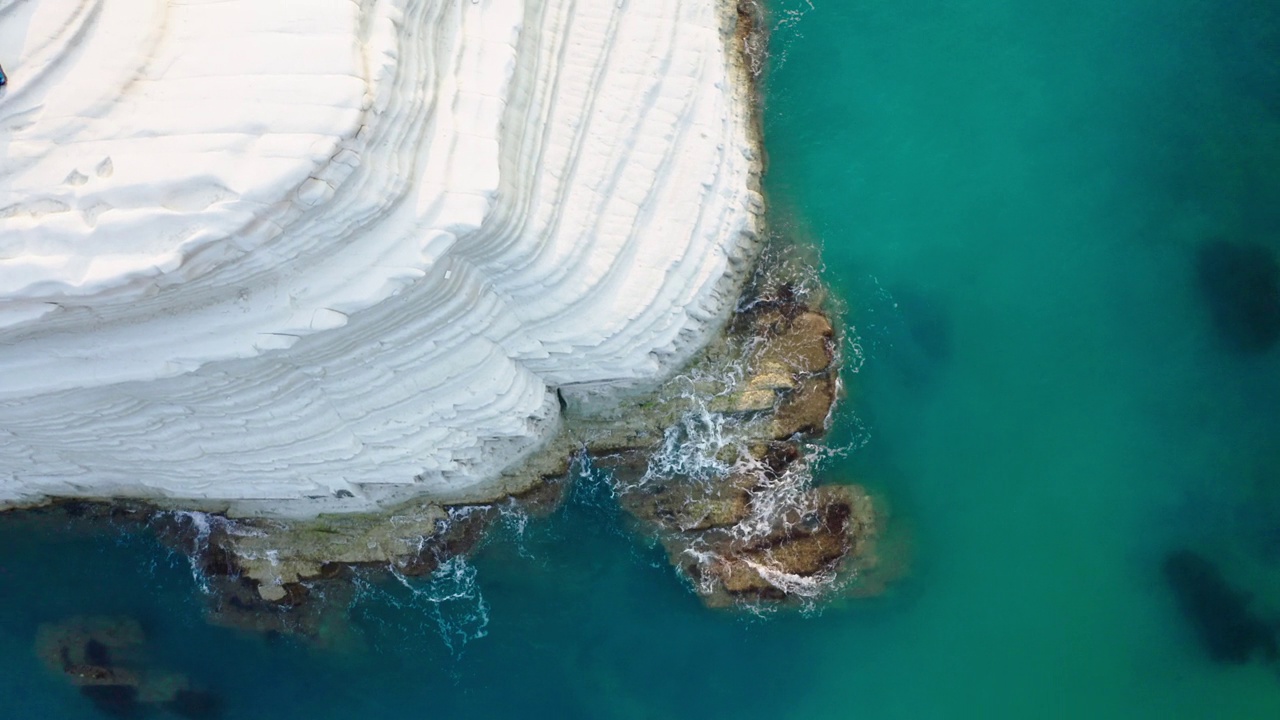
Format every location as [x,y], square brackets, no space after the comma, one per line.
[731,494]
[717,466]
[738,513]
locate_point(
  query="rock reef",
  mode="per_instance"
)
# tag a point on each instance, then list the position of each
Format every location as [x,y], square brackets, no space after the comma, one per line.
[1240,282]
[105,658]
[717,466]
[1228,628]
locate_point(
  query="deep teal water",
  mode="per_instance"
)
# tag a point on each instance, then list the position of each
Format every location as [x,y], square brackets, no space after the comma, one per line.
[1009,198]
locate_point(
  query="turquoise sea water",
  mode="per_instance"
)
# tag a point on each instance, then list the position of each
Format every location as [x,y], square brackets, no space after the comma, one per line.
[1011,199]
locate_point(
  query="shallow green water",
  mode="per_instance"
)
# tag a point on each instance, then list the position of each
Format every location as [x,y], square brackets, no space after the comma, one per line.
[1009,197]
[1033,179]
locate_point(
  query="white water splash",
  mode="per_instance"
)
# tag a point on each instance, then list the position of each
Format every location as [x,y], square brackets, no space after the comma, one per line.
[786,29]
[450,599]
[202,525]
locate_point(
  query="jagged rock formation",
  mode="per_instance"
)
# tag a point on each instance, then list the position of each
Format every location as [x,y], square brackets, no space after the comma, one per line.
[731,495]
[280,257]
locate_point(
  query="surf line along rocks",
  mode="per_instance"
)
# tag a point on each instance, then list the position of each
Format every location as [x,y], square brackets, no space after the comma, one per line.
[716,464]
[730,493]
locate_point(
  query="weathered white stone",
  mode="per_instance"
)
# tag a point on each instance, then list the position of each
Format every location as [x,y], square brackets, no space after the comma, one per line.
[321,255]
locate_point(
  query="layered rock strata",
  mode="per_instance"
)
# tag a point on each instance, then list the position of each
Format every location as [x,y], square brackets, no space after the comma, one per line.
[718,464]
[354,273]
[283,257]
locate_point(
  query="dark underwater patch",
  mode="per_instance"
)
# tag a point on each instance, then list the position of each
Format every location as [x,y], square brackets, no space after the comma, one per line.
[96,653]
[1227,628]
[911,331]
[118,701]
[927,323]
[1240,282]
[195,705]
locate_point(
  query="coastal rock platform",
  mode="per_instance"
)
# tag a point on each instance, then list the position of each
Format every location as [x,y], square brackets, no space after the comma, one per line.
[288,258]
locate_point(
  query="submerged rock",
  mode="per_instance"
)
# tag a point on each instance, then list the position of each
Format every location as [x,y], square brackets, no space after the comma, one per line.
[1229,631]
[910,332]
[194,705]
[926,323]
[105,658]
[1240,282]
[92,650]
[114,700]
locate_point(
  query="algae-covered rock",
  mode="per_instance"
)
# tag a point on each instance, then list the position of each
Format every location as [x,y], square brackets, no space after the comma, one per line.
[786,349]
[806,408]
[686,505]
[757,529]
[279,554]
[797,554]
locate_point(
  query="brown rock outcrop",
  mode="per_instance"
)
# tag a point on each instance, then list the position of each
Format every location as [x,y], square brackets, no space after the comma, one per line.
[759,531]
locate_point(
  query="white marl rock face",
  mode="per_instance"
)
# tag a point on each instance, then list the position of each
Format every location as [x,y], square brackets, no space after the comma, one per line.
[323,255]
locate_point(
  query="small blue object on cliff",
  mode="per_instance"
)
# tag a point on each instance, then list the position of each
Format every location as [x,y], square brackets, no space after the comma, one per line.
[4,79]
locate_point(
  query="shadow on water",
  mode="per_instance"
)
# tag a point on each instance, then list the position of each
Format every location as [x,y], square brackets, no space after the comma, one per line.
[195,705]
[1240,281]
[117,701]
[926,322]
[1228,629]
[904,330]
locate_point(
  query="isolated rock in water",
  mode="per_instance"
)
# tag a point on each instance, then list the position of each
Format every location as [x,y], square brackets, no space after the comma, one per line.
[731,495]
[1228,629]
[799,553]
[1241,283]
[105,658]
[92,650]
[281,258]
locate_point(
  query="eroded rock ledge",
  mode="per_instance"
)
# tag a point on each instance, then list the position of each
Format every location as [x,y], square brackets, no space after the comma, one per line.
[280,259]
[716,463]
[717,466]
[730,493]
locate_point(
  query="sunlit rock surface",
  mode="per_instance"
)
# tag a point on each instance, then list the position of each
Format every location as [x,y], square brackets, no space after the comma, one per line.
[294,256]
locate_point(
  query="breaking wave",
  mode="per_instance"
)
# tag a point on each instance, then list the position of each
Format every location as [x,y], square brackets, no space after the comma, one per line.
[449,600]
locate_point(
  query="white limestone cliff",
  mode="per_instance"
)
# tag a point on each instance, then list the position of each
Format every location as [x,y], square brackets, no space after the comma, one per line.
[323,255]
